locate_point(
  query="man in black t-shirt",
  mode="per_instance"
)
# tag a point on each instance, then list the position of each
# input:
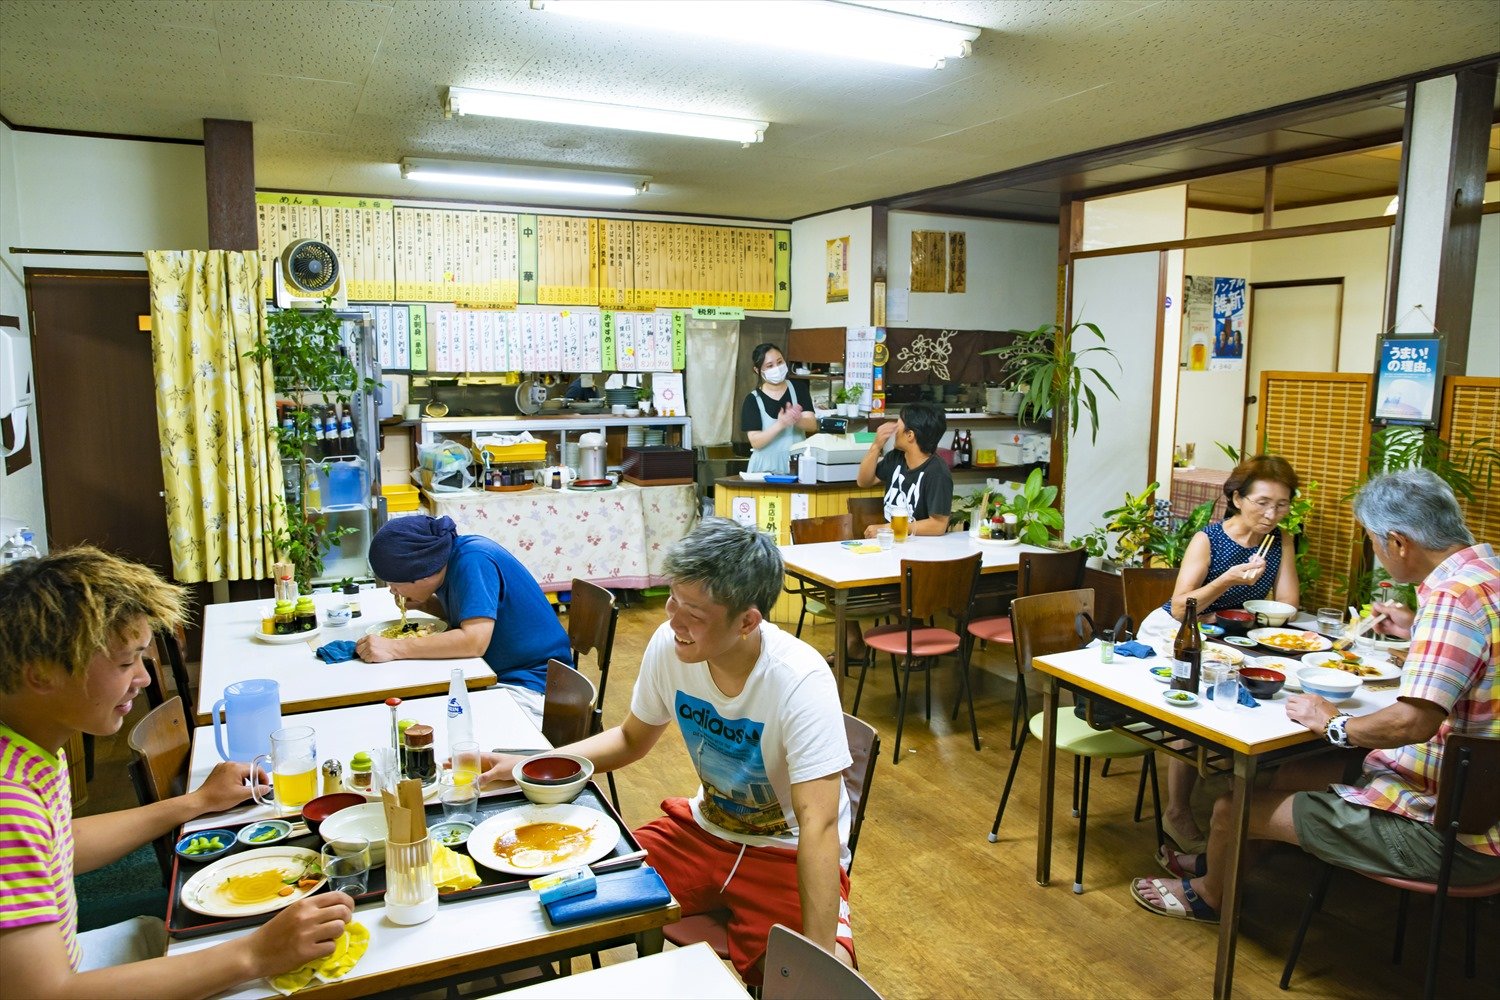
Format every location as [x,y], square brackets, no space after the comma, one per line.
[916,477]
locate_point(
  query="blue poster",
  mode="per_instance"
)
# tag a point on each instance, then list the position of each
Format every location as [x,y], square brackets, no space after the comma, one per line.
[1406,380]
[1229,323]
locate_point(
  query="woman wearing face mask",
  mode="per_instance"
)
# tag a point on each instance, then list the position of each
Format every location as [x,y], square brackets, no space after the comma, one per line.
[777,414]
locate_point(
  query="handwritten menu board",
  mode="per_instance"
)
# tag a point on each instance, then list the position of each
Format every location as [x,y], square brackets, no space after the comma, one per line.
[616,263]
[567,260]
[683,265]
[446,255]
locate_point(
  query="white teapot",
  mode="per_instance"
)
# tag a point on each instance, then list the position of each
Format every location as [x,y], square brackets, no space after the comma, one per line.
[565,475]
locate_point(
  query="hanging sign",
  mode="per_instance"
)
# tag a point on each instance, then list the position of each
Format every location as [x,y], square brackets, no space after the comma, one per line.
[1406,379]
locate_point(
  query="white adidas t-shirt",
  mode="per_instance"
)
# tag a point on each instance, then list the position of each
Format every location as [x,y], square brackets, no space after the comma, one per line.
[785,727]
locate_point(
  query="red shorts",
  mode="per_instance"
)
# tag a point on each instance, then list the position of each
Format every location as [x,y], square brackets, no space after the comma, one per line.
[695,864]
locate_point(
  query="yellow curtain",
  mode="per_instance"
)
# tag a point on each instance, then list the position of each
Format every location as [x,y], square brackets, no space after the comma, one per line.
[215,410]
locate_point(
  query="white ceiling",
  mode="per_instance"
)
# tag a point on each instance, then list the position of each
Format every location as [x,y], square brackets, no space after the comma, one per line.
[340,90]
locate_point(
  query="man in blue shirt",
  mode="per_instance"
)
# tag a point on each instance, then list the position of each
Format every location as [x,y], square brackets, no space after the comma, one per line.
[493,606]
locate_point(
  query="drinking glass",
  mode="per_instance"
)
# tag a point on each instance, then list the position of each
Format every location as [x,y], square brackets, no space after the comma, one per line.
[464,762]
[1226,685]
[886,537]
[900,524]
[1330,620]
[460,800]
[293,763]
[346,864]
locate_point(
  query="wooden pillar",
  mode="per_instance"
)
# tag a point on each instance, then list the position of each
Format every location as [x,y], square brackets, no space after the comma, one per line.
[1442,200]
[229,163]
[880,238]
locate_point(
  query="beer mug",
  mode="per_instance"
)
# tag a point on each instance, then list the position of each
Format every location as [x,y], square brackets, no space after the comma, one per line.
[293,764]
[900,525]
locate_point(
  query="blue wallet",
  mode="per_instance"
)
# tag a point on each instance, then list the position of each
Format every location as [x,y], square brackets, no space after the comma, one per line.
[618,892]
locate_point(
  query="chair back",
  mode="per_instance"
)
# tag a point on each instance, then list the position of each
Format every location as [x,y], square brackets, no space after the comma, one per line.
[161,745]
[592,615]
[930,586]
[169,645]
[1146,590]
[796,968]
[568,706]
[1044,623]
[1047,572]
[832,528]
[1469,784]
[864,751]
[866,511]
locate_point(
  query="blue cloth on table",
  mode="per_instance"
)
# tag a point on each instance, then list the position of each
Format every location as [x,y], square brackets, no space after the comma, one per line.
[1244,699]
[337,652]
[1133,648]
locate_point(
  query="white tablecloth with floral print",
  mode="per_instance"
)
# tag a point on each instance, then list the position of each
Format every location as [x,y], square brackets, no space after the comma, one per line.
[615,538]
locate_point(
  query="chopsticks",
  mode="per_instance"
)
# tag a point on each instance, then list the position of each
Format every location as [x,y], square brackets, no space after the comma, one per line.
[1356,629]
[1265,545]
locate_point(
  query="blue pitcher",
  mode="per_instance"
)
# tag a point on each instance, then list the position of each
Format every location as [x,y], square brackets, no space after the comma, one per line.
[251,712]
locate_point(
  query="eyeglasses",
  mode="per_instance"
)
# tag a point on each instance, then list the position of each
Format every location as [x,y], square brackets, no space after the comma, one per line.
[1264,504]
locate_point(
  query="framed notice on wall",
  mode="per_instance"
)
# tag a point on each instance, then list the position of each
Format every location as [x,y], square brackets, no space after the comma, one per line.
[1407,380]
[838,269]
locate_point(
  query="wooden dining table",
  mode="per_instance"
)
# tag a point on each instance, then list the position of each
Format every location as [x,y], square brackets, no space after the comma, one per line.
[232,652]
[847,570]
[1237,742]
[466,936]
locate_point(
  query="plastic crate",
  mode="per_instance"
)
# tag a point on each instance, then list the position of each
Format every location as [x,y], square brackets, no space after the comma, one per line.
[509,454]
[401,498]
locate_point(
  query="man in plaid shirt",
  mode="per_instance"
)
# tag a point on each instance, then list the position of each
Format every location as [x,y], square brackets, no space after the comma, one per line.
[1382,823]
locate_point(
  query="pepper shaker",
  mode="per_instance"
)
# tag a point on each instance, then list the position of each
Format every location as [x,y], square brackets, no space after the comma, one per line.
[333,776]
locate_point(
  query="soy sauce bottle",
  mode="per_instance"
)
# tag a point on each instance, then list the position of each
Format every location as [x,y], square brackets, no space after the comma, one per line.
[1187,651]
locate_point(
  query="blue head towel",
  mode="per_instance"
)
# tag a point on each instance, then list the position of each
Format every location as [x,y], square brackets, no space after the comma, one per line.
[1133,648]
[412,548]
[337,652]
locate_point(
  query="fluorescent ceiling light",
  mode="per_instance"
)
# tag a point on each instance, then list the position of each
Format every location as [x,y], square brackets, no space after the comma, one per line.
[838,29]
[523,178]
[463,101]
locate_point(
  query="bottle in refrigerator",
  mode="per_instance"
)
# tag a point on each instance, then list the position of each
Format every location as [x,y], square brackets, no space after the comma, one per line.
[346,433]
[1187,651]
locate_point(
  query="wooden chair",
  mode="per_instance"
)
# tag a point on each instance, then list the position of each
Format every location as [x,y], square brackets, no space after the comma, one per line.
[592,615]
[927,587]
[866,511]
[864,751]
[1037,573]
[805,531]
[567,706]
[1468,802]
[1146,590]
[797,968]
[169,645]
[1045,624]
[159,769]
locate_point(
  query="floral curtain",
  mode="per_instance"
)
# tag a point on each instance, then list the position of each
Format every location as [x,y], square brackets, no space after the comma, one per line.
[215,409]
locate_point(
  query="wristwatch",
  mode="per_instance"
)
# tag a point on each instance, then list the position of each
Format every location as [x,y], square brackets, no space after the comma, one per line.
[1336,732]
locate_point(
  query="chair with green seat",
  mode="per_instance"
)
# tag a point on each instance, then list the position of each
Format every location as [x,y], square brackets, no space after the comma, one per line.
[1044,624]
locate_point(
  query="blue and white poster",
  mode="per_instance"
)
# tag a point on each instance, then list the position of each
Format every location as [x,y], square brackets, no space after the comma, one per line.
[1406,380]
[1229,324]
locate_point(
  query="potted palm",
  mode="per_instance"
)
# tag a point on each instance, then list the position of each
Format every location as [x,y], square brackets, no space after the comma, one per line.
[1054,376]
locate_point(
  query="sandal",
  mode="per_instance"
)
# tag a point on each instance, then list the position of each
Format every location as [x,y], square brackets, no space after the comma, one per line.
[1193,845]
[1172,862]
[1173,899]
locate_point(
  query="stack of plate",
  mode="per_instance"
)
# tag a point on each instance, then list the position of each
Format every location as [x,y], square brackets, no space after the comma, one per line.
[634,436]
[654,437]
[620,397]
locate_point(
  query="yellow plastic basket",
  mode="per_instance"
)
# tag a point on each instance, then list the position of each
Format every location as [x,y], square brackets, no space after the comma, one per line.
[401,498]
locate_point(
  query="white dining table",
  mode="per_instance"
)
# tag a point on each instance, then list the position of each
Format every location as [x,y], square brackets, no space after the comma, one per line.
[340,733]
[231,652]
[846,568]
[1237,741]
[690,973]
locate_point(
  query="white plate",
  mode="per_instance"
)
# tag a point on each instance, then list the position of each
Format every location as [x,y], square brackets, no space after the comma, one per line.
[1223,653]
[1319,642]
[288,639]
[438,624]
[603,833]
[200,893]
[1384,669]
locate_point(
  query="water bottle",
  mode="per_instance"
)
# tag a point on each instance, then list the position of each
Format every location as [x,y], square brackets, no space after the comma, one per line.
[460,718]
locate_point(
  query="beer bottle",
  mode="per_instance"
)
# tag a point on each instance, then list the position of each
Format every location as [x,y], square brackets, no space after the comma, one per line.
[1187,651]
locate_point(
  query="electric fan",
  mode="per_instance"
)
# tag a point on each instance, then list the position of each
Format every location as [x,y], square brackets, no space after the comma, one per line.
[307,272]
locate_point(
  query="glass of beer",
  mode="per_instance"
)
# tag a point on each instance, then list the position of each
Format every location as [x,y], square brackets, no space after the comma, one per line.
[293,763]
[900,525]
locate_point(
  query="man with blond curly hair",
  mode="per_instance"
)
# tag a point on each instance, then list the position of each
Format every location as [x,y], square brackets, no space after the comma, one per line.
[75,626]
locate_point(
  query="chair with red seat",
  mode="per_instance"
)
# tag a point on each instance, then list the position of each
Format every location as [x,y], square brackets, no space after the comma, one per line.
[1038,573]
[1469,803]
[927,587]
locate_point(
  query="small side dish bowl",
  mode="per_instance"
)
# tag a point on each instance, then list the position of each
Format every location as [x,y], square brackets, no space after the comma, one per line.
[1211,631]
[1262,682]
[451,833]
[319,809]
[543,793]
[1236,621]
[1241,641]
[266,833]
[200,846]
[1274,613]
[551,769]
[1182,699]
[1335,685]
[1162,672]
[367,821]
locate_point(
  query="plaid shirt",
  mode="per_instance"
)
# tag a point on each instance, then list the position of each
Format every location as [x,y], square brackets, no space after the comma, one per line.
[1455,644]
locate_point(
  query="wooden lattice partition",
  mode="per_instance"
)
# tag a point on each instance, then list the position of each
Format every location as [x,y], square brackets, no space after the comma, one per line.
[1320,422]
[1471,412]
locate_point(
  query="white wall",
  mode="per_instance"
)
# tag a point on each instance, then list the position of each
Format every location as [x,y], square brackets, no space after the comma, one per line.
[1012,274]
[810,307]
[74,193]
[1484,330]
[1151,216]
[1209,407]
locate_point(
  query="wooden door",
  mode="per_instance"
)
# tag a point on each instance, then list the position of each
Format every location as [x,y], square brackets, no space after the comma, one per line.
[1294,326]
[96,413]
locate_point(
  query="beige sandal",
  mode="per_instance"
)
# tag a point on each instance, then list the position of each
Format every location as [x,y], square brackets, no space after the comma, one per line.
[1185,844]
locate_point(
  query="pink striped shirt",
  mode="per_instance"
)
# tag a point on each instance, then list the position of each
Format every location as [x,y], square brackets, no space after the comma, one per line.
[36,840]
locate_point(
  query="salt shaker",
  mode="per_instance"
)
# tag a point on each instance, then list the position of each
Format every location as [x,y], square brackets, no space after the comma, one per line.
[333,776]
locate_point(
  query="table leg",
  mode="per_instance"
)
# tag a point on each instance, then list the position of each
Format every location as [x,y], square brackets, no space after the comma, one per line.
[1229,906]
[840,637]
[649,942]
[1049,768]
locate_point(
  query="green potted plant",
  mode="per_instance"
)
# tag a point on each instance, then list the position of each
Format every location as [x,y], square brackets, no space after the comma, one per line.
[846,400]
[643,397]
[1034,505]
[1054,376]
[309,366]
